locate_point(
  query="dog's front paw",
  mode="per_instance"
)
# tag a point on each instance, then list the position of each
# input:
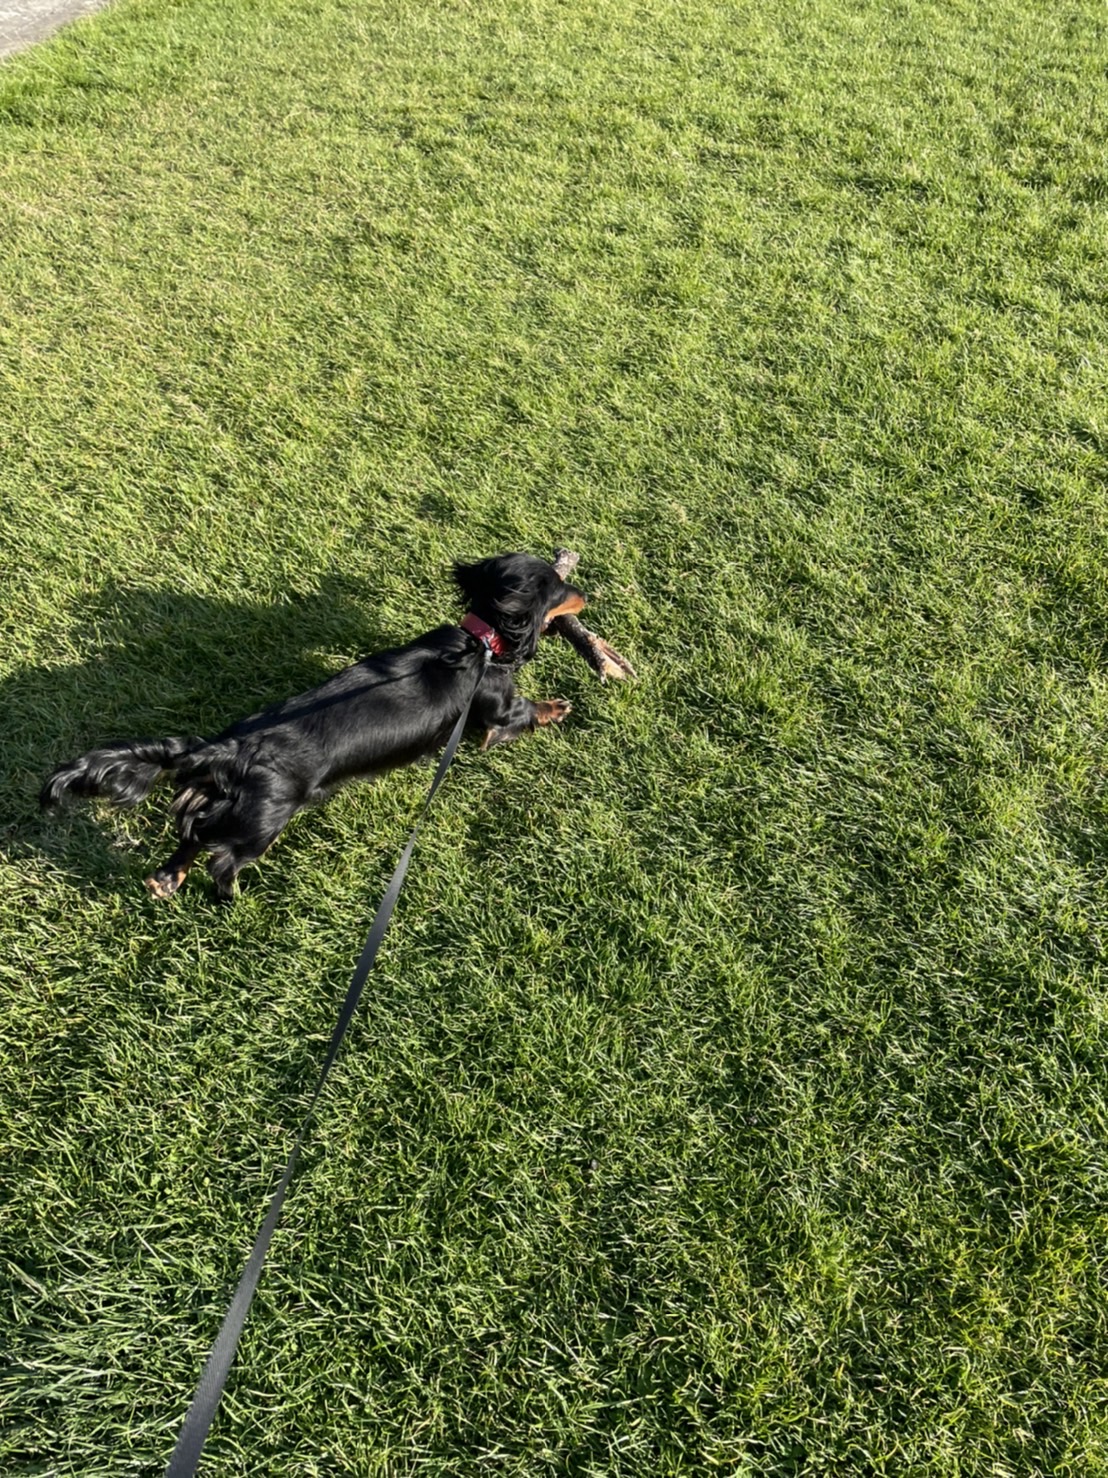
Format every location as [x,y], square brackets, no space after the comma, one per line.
[552,711]
[162,884]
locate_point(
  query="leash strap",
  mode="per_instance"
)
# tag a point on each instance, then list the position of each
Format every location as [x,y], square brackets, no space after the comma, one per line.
[209,1391]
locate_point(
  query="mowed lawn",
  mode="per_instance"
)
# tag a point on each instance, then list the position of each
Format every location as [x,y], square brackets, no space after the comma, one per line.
[731,1093]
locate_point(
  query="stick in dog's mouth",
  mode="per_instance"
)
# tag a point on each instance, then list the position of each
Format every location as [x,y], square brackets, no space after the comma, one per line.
[604,660]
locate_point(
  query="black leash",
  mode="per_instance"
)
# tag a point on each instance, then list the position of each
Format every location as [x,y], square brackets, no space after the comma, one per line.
[209,1392]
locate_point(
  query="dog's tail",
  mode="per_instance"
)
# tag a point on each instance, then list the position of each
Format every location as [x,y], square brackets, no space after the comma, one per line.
[125,771]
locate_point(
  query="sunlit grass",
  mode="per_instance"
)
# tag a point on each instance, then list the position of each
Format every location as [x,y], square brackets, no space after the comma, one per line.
[731,1093]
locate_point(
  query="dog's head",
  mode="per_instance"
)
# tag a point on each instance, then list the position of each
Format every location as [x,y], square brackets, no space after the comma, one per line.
[518,596]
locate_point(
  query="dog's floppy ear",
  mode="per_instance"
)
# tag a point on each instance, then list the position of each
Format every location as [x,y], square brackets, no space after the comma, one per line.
[477,581]
[512,592]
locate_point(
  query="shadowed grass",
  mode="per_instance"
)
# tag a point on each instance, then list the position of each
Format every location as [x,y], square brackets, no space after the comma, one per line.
[730,1094]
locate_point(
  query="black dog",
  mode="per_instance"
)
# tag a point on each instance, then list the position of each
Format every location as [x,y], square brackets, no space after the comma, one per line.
[236,792]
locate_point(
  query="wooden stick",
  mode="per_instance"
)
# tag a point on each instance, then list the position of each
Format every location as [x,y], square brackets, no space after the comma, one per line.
[604,660]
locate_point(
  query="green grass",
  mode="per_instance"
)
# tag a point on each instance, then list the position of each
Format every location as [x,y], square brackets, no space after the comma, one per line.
[731,1094]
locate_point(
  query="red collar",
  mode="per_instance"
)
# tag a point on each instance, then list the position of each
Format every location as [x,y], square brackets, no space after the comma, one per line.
[483,632]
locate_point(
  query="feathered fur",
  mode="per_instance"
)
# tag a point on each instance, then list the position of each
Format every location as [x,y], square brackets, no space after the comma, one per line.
[234,794]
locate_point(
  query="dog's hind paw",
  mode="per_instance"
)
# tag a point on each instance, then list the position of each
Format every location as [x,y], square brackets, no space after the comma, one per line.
[553,710]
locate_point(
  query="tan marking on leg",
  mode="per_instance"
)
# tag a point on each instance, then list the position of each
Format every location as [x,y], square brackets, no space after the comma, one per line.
[552,710]
[165,881]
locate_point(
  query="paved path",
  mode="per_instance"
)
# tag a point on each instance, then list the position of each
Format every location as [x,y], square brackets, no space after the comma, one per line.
[25,21]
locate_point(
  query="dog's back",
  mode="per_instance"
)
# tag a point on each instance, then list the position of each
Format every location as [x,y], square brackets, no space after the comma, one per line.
[235,793]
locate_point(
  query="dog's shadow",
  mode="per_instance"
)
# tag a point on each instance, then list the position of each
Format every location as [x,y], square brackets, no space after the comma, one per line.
[152,663]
